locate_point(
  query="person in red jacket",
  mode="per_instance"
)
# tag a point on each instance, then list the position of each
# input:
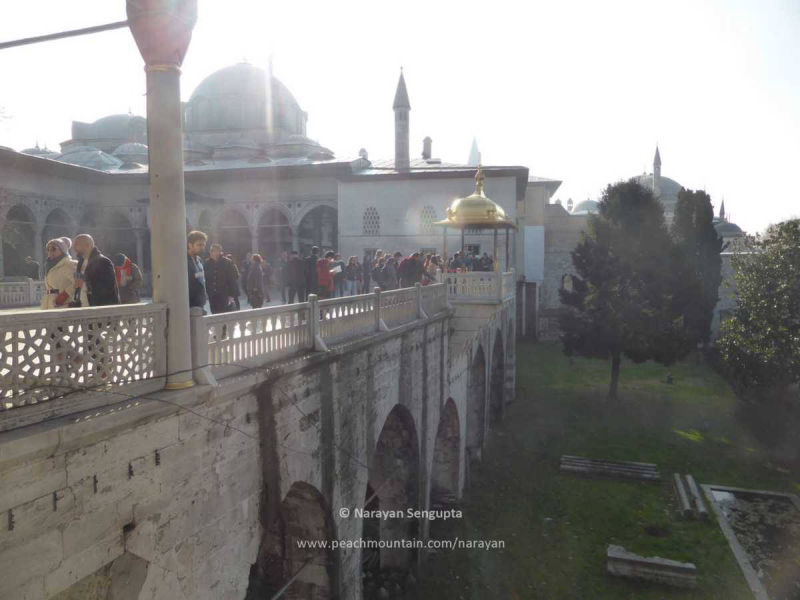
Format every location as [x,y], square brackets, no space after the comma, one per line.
[324,276]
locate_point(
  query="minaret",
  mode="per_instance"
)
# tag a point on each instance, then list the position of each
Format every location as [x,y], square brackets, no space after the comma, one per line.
[474,154]
[657,174]
[722,210]
[401,108]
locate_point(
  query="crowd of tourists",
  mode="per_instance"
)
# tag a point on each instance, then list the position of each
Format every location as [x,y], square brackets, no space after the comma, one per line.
[218,281]
[90,279]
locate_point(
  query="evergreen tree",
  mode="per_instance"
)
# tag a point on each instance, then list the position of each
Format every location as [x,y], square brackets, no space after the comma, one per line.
[623,300]
[694,233]
[760,343]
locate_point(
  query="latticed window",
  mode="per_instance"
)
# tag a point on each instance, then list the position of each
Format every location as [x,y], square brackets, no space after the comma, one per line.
[426,219]
[372,221]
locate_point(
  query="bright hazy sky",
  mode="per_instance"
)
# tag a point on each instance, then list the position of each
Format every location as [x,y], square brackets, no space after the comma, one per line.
[576,91]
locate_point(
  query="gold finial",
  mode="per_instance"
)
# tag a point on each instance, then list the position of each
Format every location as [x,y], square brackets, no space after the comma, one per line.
[479,177]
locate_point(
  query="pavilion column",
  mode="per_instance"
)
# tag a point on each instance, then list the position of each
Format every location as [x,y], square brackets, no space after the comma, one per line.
[38,249]
[139,248]
[254,239]
[508,235]
[495,258]
[162,30]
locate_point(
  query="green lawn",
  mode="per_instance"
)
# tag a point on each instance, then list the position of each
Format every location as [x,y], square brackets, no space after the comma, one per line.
[557,527]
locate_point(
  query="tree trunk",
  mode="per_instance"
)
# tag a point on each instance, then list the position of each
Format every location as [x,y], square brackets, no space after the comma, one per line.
[612,389]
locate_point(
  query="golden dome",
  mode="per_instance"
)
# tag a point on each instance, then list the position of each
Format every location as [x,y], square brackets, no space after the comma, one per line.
[476,210]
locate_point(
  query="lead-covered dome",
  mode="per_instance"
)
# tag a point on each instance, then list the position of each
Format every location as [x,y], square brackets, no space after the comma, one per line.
[132,152]
[91,158]
[586,207]
[236,98]
[107,133]
[233,115]
[668,190]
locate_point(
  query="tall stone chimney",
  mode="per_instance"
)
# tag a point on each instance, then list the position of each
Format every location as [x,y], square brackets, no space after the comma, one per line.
[427,143]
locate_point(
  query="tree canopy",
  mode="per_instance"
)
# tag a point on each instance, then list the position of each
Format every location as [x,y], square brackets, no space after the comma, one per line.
[760,342]
[632,285]
[694,233]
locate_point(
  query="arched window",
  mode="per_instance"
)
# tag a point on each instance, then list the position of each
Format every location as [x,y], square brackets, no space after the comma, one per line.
[566,282]
[372,221]
[426,219]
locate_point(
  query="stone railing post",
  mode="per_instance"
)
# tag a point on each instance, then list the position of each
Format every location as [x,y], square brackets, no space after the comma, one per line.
[315,341]
[202,371]
[420,310]
[379,324]
[31,291]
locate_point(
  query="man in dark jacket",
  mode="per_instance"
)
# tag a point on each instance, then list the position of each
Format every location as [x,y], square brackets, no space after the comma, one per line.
[221,281]
[99,276]
[311,271]
[295,278]
[196,246]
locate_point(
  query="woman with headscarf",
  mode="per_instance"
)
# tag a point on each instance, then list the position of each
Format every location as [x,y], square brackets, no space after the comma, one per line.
[59,278]
[129,279]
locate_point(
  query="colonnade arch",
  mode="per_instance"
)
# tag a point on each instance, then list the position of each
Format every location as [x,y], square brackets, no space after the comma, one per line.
[19,240]
[497,380]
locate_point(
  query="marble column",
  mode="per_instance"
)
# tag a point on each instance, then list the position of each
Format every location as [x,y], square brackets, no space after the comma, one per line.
[38,248]
[139,248]
[254,239]
[162,30]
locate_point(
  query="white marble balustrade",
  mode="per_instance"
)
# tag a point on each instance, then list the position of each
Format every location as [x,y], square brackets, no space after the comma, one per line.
[480,286]
[45,354]
[21,293]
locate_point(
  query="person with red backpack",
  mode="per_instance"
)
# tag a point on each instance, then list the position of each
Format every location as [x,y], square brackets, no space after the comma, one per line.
[324,276]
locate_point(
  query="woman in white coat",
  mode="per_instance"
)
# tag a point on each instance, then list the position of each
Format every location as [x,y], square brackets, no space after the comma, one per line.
[59,279]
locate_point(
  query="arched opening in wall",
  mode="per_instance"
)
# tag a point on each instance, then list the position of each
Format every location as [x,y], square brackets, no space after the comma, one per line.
[497,382]
[119,237]
[371,530]
[319,227]
[394,477]
[19,241]
[303,517]
[57,224]
[444,491]
[476,404]
[234,235]
[274,233]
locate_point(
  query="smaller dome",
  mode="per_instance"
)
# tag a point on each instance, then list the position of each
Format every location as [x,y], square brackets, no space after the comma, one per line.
[132,152]
[40,152]
[586,207]
[476,210]
[75,149]
[727,229]
[91,158]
